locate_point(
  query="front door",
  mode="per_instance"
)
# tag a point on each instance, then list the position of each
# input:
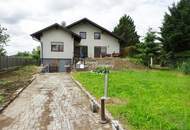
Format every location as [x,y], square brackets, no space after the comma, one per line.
[83,51]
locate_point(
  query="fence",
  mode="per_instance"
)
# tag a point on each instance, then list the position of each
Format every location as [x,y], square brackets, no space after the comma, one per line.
[8,62]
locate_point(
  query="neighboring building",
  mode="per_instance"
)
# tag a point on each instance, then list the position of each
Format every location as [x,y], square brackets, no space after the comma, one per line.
[84,38]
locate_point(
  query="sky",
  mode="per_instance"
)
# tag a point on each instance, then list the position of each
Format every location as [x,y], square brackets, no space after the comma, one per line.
[23,17]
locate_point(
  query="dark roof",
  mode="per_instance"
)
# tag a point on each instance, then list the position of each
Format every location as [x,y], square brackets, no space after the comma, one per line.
[38,34]
[96,25]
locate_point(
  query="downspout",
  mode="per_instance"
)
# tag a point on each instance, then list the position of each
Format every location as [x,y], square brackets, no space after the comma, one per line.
[41,53]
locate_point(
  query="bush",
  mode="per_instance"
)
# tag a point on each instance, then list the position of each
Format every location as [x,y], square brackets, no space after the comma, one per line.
[101,69]
[128,51]
[185,67]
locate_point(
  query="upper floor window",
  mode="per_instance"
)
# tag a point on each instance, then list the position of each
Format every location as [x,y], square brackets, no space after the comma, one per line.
[57,46]
[97,35]
[82,35]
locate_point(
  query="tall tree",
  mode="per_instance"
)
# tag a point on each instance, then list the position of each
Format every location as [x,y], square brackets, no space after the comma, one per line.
[149,47]
[127,31]
[175,30]
[3,40]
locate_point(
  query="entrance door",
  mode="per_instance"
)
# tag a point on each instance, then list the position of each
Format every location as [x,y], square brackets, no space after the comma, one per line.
[83,51]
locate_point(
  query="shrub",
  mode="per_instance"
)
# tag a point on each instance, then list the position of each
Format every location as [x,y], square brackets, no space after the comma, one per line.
[101,69]
[185,67]
[128,51]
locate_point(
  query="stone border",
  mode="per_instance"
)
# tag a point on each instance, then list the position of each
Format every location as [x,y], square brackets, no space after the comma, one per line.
[16,94]
[115,124]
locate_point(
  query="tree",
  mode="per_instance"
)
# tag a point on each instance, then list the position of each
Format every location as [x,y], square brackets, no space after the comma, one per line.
[175,30]
[4,37]
[127,31]
[36,53]
[24,54]
[149,47]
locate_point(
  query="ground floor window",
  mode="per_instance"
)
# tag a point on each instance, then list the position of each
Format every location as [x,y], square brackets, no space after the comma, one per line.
[100,51]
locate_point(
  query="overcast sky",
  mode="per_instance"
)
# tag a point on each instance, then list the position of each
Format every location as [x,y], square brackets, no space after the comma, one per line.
[23,17]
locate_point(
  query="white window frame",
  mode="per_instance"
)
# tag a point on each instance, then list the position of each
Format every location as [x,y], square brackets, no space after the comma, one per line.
[59,45]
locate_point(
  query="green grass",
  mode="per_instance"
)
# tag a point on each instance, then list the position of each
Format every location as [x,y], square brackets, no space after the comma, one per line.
[145,100]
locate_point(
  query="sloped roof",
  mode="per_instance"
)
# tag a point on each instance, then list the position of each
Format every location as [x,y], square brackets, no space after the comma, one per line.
[38,34]
[94,24]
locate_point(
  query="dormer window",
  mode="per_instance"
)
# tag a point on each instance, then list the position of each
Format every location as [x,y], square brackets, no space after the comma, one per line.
[97,35]
[82,35]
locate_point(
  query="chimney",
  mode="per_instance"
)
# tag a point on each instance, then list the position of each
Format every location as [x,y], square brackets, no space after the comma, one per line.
[63,23]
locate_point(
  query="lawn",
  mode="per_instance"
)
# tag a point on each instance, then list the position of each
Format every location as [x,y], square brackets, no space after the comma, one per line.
[13,80]
[144,100]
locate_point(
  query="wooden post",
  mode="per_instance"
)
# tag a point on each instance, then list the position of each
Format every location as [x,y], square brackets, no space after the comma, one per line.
[103,116]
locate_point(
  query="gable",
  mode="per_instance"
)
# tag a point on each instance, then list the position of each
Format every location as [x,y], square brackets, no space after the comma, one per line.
[87,21]
[37,35]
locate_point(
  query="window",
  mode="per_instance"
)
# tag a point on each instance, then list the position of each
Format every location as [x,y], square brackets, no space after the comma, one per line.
[97,35]
[100,51]
[57,46]
[103,50]
[82,35]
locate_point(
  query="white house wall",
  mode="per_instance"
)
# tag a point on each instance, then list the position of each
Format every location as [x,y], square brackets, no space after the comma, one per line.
[107,40]
[57,35]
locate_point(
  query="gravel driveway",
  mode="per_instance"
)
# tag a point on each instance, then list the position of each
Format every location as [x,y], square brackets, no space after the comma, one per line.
[52,102]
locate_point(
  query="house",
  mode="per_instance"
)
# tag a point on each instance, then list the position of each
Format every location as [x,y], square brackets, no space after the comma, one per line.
[84,38]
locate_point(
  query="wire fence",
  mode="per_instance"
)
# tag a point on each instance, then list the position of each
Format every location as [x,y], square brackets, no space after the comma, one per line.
[8,62]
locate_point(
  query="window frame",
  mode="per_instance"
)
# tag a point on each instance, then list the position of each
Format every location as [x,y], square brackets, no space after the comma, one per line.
[85,35]
[59,44]
[95,35]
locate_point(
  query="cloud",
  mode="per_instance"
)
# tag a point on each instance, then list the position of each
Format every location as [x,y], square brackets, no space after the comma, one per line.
[11,12]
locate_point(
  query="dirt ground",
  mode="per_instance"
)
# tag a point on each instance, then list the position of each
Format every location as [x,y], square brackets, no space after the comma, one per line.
[114,63]
[14,80]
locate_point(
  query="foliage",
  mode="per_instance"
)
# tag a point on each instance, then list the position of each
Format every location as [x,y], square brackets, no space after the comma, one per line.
[102,69]
[165,58]
[127,31]
[4,37]
[128,51]
[36,53]
[183,54]
[149,48]
[23,54]
[175,30]
[1,98]
[144,100]
[185,67]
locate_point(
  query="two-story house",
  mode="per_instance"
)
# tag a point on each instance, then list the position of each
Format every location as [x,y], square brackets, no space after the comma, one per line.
[83,38]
